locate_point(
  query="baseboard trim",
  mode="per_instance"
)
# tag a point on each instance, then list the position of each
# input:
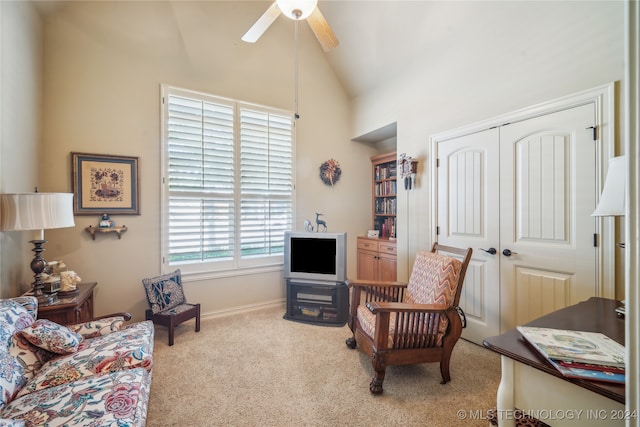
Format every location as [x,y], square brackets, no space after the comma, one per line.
[243,309]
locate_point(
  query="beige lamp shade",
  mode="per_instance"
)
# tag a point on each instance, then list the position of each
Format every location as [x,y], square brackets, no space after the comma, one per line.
[612,199]
[36,211]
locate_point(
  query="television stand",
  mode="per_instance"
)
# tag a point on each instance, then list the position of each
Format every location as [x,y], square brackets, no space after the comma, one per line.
[318,303]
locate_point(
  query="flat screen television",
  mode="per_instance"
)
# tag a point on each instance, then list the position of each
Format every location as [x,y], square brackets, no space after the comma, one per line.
[315,256]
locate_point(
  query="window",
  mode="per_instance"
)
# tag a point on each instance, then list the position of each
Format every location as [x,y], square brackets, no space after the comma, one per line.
[227,182]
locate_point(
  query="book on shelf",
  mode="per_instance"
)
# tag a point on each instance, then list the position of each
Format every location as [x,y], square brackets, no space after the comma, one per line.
[575,346]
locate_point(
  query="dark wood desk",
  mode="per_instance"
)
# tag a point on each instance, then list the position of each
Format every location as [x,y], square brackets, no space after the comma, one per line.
[520,384]
[69,310]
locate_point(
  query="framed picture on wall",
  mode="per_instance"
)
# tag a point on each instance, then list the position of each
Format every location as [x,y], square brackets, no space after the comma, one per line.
[105,184]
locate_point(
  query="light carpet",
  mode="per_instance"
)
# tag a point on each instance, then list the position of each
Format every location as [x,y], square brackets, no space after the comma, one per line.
[257,369]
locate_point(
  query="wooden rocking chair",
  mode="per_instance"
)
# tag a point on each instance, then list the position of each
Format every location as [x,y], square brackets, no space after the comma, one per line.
[417,322]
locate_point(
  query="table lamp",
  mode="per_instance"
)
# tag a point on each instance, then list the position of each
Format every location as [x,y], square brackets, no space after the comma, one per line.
[612,199]
[36,211]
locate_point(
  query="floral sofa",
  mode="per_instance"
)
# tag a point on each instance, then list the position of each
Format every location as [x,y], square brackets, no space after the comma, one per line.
[92,374]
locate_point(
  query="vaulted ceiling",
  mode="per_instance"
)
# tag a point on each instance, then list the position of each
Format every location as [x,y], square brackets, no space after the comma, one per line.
[381,40]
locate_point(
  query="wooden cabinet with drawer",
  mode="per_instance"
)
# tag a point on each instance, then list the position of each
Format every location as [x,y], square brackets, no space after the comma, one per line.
[77,308]
[377,259]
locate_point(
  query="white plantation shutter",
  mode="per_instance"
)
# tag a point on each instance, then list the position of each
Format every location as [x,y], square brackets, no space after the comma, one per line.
[266,181]
[229,181]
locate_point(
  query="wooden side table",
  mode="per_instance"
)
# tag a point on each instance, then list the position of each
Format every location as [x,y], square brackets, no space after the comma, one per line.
[69,310]
[530,383]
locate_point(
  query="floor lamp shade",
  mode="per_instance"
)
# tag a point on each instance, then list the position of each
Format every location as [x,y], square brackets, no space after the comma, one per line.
[612,199]
[36,211]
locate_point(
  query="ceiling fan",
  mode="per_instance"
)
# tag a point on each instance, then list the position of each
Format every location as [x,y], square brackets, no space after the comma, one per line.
[296,10]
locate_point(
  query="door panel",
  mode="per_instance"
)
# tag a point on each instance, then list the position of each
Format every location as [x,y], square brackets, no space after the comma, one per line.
[468,216]
[548,191]
[541,172]
[540,292]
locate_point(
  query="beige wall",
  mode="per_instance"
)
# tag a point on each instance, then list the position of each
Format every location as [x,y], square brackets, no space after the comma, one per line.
[103,66]
[20,117]
[512,55]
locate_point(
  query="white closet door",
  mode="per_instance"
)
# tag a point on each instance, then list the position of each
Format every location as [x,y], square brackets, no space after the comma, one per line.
[547,193]
[528,187]
[468,216]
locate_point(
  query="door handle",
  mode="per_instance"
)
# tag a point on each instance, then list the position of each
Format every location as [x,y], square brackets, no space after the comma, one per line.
[507,252]
[490,251]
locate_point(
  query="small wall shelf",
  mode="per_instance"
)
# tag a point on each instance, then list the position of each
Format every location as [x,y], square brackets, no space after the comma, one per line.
[93,230]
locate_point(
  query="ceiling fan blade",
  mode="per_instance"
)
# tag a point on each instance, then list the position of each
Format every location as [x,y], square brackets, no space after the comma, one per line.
[321,29]
[262,24]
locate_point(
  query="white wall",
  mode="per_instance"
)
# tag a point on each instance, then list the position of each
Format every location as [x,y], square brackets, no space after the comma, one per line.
[20,116]
[103,66]
[511,55]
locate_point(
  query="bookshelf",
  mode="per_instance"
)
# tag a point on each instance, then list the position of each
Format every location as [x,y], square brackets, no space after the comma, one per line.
[384,171]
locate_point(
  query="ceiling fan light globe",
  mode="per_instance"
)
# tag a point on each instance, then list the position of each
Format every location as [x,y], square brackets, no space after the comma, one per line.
[297,9]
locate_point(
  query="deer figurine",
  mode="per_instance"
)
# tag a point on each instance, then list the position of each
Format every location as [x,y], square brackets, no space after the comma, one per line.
[307,225]
[320,222]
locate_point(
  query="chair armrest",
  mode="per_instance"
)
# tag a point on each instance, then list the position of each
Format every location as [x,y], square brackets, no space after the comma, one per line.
[101,325]
[126,316]
[381,306]
[363,291]
[358,283]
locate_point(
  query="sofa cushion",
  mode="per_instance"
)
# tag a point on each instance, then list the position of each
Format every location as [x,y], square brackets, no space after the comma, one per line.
[10,378]
[15,362]
[13,318]
[52,337]
[29,357]
[114,399]
[98,328]
[129,348]
[164,292]
[18,365]
[5,422]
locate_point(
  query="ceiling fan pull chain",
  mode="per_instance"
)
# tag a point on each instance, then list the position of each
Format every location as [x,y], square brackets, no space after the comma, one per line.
[295,94]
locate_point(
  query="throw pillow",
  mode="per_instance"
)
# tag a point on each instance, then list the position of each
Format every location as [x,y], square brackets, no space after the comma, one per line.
[29,303]
[98,328]
[164,292]
[14,318]
[29,357]
[51,336]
